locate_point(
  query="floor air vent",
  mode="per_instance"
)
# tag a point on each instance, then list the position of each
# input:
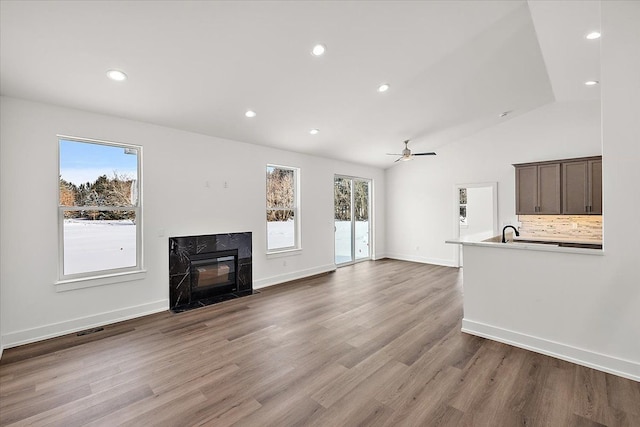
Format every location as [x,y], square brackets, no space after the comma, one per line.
[89,331]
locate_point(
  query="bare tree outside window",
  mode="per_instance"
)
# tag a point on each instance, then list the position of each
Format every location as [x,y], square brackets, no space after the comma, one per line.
[281,208]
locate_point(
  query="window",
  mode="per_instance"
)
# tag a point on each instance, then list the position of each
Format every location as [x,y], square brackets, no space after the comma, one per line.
[282,208]
[463,207]
[99,210]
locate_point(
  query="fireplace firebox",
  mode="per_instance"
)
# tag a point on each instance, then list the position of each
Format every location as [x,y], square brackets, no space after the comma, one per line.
[214,270]
[208,269]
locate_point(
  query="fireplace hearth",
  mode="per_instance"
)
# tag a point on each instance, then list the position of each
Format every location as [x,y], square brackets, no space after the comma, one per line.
[207,269]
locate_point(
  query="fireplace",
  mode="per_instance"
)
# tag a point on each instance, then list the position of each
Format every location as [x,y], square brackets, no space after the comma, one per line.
[207,269]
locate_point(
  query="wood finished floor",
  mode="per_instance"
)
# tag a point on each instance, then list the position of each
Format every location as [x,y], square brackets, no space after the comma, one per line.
[374,344]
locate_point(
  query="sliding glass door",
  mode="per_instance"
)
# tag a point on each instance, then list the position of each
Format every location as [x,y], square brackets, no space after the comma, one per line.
[352,204]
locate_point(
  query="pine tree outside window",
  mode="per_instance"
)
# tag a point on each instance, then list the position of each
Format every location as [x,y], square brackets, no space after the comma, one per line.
[99,209]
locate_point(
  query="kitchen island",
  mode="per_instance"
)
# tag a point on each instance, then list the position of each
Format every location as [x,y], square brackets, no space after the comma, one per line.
[532,295]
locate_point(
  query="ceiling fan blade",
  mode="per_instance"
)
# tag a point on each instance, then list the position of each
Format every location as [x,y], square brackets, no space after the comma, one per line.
[393,154]
[398,159]
[424,154]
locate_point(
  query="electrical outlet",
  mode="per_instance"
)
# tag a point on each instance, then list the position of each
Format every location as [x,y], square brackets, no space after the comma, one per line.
[225,184]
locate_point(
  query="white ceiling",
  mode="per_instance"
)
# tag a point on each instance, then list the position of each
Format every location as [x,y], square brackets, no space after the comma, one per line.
[453,66]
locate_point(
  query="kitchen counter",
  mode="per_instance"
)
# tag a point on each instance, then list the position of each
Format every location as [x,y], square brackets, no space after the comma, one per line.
[529,244]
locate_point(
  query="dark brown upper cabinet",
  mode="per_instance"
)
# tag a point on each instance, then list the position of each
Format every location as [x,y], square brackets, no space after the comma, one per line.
[560,187]
[582,187]
[538,189]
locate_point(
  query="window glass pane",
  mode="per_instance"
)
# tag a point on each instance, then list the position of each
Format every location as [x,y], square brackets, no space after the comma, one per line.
[280,188]
[281,208]
[342,220]
[361,214]
[281,230]
[99,187]
[463,196]
[97,174]
[99,240]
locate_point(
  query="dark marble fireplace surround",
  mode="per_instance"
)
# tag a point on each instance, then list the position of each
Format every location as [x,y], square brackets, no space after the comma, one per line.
[182,294]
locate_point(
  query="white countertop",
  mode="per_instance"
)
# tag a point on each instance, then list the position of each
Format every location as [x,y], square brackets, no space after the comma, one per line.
[545,247]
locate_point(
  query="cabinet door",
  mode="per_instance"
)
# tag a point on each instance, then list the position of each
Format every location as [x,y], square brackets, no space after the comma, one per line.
[549,189]
[595,187]
[526,190]
[575,188]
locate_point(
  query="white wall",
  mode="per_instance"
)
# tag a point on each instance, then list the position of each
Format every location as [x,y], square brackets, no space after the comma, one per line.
[584,308]
[420,206]
[176,201]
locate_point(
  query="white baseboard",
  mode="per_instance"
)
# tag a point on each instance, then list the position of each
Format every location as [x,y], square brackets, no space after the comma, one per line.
[601,362]
[26,336]
[295,275]
[423,260]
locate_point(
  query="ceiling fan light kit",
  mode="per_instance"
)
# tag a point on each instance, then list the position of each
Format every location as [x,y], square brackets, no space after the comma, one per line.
[406,153]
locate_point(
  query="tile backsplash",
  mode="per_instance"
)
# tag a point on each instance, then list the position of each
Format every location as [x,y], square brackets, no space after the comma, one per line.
[579,227]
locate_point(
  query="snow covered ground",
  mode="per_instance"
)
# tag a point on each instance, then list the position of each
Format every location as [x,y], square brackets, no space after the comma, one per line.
[98,245]
[105,245]
[343,240]
[281,234]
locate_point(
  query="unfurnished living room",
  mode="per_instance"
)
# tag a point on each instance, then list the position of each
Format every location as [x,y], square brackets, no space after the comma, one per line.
[319,213]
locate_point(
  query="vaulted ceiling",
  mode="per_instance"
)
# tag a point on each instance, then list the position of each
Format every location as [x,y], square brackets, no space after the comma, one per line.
[453,66]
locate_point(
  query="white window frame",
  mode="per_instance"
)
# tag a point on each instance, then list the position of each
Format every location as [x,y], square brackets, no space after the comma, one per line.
[101,277]
[296,213]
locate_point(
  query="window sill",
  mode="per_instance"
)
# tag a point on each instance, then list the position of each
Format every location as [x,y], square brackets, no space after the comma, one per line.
[286,252]
[107,279]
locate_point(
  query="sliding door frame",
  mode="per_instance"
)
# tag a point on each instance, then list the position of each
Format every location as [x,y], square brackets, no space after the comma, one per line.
[352,180]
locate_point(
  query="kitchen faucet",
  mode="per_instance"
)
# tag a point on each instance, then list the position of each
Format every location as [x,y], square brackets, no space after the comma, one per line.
[504,240]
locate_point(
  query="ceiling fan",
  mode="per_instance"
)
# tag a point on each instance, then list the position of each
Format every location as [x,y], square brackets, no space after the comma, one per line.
[406,153]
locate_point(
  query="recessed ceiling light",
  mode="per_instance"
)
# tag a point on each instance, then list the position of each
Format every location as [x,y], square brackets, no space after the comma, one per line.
[116,75]
[314,131]
[383,87]
[591,83]
[593,35]
[318,50]
[250,113]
